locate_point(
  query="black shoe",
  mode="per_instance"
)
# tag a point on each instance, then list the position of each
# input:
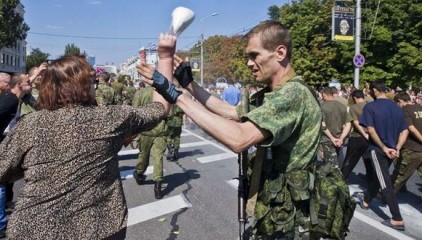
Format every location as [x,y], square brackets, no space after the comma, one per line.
[157,190]
[3,233]
[140,178]
[176,154]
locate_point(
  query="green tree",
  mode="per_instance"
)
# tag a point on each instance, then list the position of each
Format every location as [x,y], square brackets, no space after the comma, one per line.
[35,58]
[72,49]
[12,25]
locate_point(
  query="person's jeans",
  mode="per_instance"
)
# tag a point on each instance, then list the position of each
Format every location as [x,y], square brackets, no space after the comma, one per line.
[3,217]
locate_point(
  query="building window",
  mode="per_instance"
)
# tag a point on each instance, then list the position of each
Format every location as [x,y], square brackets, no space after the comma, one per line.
[3,56]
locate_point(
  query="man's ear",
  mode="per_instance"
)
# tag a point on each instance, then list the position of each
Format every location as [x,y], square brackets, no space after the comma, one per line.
[281,51]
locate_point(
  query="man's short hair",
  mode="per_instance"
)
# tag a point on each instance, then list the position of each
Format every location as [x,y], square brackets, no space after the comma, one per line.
[402,96]
[327,91]
[16,78]
[334,90]
[378,85]
[105,76]
[272,35]
[358,94]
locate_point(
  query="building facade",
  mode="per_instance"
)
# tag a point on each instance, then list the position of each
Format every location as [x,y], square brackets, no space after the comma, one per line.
[13,59]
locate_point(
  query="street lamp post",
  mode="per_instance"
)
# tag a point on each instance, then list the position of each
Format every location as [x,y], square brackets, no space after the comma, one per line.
[202,46]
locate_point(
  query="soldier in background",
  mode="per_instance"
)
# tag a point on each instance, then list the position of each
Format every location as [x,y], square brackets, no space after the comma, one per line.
[174,122]
[153,143]
[119,88]
[129,93]
[104,94]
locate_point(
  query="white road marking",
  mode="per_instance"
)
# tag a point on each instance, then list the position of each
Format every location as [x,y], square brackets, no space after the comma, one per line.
[129,173]
[210,142]
[216,157]
[158,208]
[184,134]
[382,227]
[128,152]
[192,144]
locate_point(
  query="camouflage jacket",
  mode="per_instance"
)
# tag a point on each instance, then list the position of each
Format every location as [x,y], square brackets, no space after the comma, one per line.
[175,118]
[293,117]
[104,95]
[118,89]
[142,97]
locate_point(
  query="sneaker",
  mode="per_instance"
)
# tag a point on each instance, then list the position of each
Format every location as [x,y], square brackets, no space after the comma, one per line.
[140,178]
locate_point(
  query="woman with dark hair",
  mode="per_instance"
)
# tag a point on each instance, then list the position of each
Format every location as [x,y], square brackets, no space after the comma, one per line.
[66,153]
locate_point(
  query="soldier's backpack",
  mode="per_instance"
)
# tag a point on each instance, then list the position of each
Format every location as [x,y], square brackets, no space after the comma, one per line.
[331,206]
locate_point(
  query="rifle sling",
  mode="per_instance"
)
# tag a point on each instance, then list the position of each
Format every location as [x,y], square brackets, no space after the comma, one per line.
[255,181]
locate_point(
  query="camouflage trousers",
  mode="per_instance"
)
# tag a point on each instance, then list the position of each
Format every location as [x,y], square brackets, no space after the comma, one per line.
[155,146]
[174,136]
[408,162]
[328,152]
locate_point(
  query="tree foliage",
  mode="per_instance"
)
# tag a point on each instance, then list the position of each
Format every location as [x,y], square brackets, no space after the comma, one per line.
[12,25]
[35,58]
[72,49]
[391,43]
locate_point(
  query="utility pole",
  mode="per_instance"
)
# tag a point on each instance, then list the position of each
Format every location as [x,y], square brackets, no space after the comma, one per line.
[357,40]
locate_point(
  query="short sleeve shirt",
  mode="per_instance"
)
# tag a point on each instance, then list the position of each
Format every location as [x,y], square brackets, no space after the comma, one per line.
[335,115]
[355,112]
[293,117]
[386,118]
[413,116]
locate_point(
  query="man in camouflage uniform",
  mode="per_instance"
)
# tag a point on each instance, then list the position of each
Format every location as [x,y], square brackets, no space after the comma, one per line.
[285,125]
[129,93]
[153,143]
[104,94]
[119,88]
[174,122]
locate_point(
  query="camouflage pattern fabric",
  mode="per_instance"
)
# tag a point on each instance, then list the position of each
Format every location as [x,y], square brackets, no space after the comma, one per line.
[175,122]
[118,89]
[328,152]
[104,95]
[293,117]
[129,94]
[151,142]
[155,146]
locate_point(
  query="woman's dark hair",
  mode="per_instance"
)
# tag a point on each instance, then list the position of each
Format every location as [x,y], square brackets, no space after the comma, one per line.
[67,82]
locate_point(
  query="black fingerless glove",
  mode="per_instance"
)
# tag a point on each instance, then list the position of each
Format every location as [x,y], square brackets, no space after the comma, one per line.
[183,74]
[165,88]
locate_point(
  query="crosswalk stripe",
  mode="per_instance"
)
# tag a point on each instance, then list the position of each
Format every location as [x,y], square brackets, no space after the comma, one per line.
[184,134]
[128,152]
[210,142]
[129,173]
[192,144]
[158,208]
[216,157]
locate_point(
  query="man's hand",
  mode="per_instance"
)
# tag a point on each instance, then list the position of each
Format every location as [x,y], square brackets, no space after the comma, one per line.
[166,46]
[390,152]
[183,71]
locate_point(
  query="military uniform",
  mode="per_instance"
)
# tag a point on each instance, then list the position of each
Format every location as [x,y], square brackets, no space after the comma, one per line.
[118,89]
[293,117]
[104,95]
[129,94]
[174,123]
[152,142]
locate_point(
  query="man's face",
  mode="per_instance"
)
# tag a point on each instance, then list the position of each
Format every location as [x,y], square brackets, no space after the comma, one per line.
[263,63]
[26,85]
[401,103]
[4,84]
